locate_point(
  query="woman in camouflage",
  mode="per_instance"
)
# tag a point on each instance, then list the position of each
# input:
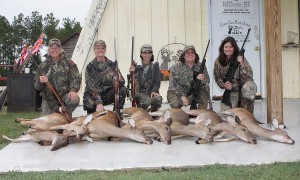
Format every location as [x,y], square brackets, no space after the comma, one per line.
[181,79]
[243,77]
[64,76]
[147,80]
[99,81]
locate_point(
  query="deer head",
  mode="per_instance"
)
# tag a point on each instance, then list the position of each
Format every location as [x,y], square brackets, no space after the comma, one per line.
[137,134]
[279,134]
[203,131]
[239,130]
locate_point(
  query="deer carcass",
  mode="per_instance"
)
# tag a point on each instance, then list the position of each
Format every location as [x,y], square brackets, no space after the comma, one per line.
[181,127]
[145,122]
[43,138]
[105,126]
[43,123]
[218,128]
[248,120]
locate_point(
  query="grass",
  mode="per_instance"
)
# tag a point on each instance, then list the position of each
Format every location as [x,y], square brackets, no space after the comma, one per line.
[10,128]
[281,170]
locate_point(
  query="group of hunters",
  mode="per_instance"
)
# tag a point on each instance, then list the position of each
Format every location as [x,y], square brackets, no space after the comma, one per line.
[63,74]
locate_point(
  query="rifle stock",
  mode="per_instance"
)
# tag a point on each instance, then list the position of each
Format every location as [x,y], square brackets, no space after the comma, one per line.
[227,92]
[63,107]
[198,82]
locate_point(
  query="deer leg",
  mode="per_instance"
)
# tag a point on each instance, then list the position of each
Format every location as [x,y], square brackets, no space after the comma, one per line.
[226,139]
[87,138]
[18,120]
[201,141]
[45,143]
[178,136]
[23,138]
[28,123]
[220,134]
[31,131]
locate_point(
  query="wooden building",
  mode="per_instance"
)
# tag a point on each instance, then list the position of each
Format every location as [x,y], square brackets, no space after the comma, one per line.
[168,25]
[69,44]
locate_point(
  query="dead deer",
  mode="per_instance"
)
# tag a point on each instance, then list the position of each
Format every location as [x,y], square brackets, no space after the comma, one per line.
[180,126]
[43,138]
[248,120]
[43,123]
[105,126]
[220,129]
[145,122]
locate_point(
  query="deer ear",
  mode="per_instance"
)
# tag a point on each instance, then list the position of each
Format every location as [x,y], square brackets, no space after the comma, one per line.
[198,120]
[207,122]
[231,121]
[275,123]
[166,114]
[132,122]
[281,126]
[169,122]
[225,114]
[237,120]
[88,119]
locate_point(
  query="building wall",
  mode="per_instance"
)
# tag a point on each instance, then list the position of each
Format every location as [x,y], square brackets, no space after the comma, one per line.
[155,22]
[69,45]
[161,22]
[290,56]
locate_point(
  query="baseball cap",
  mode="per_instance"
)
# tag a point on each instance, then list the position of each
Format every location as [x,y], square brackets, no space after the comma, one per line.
[146,47]
[189,46]
[54,41]
[99,42]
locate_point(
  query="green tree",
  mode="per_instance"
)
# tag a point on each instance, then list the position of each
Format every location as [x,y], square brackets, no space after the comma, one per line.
[50,26]
[68,29]
[6,47]
[34,26]
[19,32]
[6,51]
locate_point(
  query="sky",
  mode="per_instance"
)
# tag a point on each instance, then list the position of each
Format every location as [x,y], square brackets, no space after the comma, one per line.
[77,9]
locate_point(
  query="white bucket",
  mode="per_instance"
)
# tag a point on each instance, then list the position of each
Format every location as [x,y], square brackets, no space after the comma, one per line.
[27,70]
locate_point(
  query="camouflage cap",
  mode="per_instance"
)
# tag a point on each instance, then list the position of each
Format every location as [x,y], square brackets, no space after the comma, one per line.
[146,47]
[189,46]
[99,42]
[54,41]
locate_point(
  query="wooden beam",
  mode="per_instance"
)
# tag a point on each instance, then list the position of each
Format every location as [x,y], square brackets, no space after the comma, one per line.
[273,60]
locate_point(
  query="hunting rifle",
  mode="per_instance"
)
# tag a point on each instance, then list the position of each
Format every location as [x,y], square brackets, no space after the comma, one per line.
[116,88]
[230,74]
[130,78]
[62,104]
[196,82]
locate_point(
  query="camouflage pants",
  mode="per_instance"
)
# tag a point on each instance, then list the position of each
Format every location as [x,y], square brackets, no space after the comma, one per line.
[49,107]
[144,101]
[107,98]
[202,99]
[247,97]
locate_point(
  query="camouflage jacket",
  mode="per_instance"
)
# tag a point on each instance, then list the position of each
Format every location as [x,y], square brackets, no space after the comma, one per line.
[99,78]
[147,78]
[62,74]
[246,74]
[181,78]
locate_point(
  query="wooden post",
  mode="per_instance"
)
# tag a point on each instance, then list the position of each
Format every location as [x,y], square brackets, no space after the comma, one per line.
[273,60]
